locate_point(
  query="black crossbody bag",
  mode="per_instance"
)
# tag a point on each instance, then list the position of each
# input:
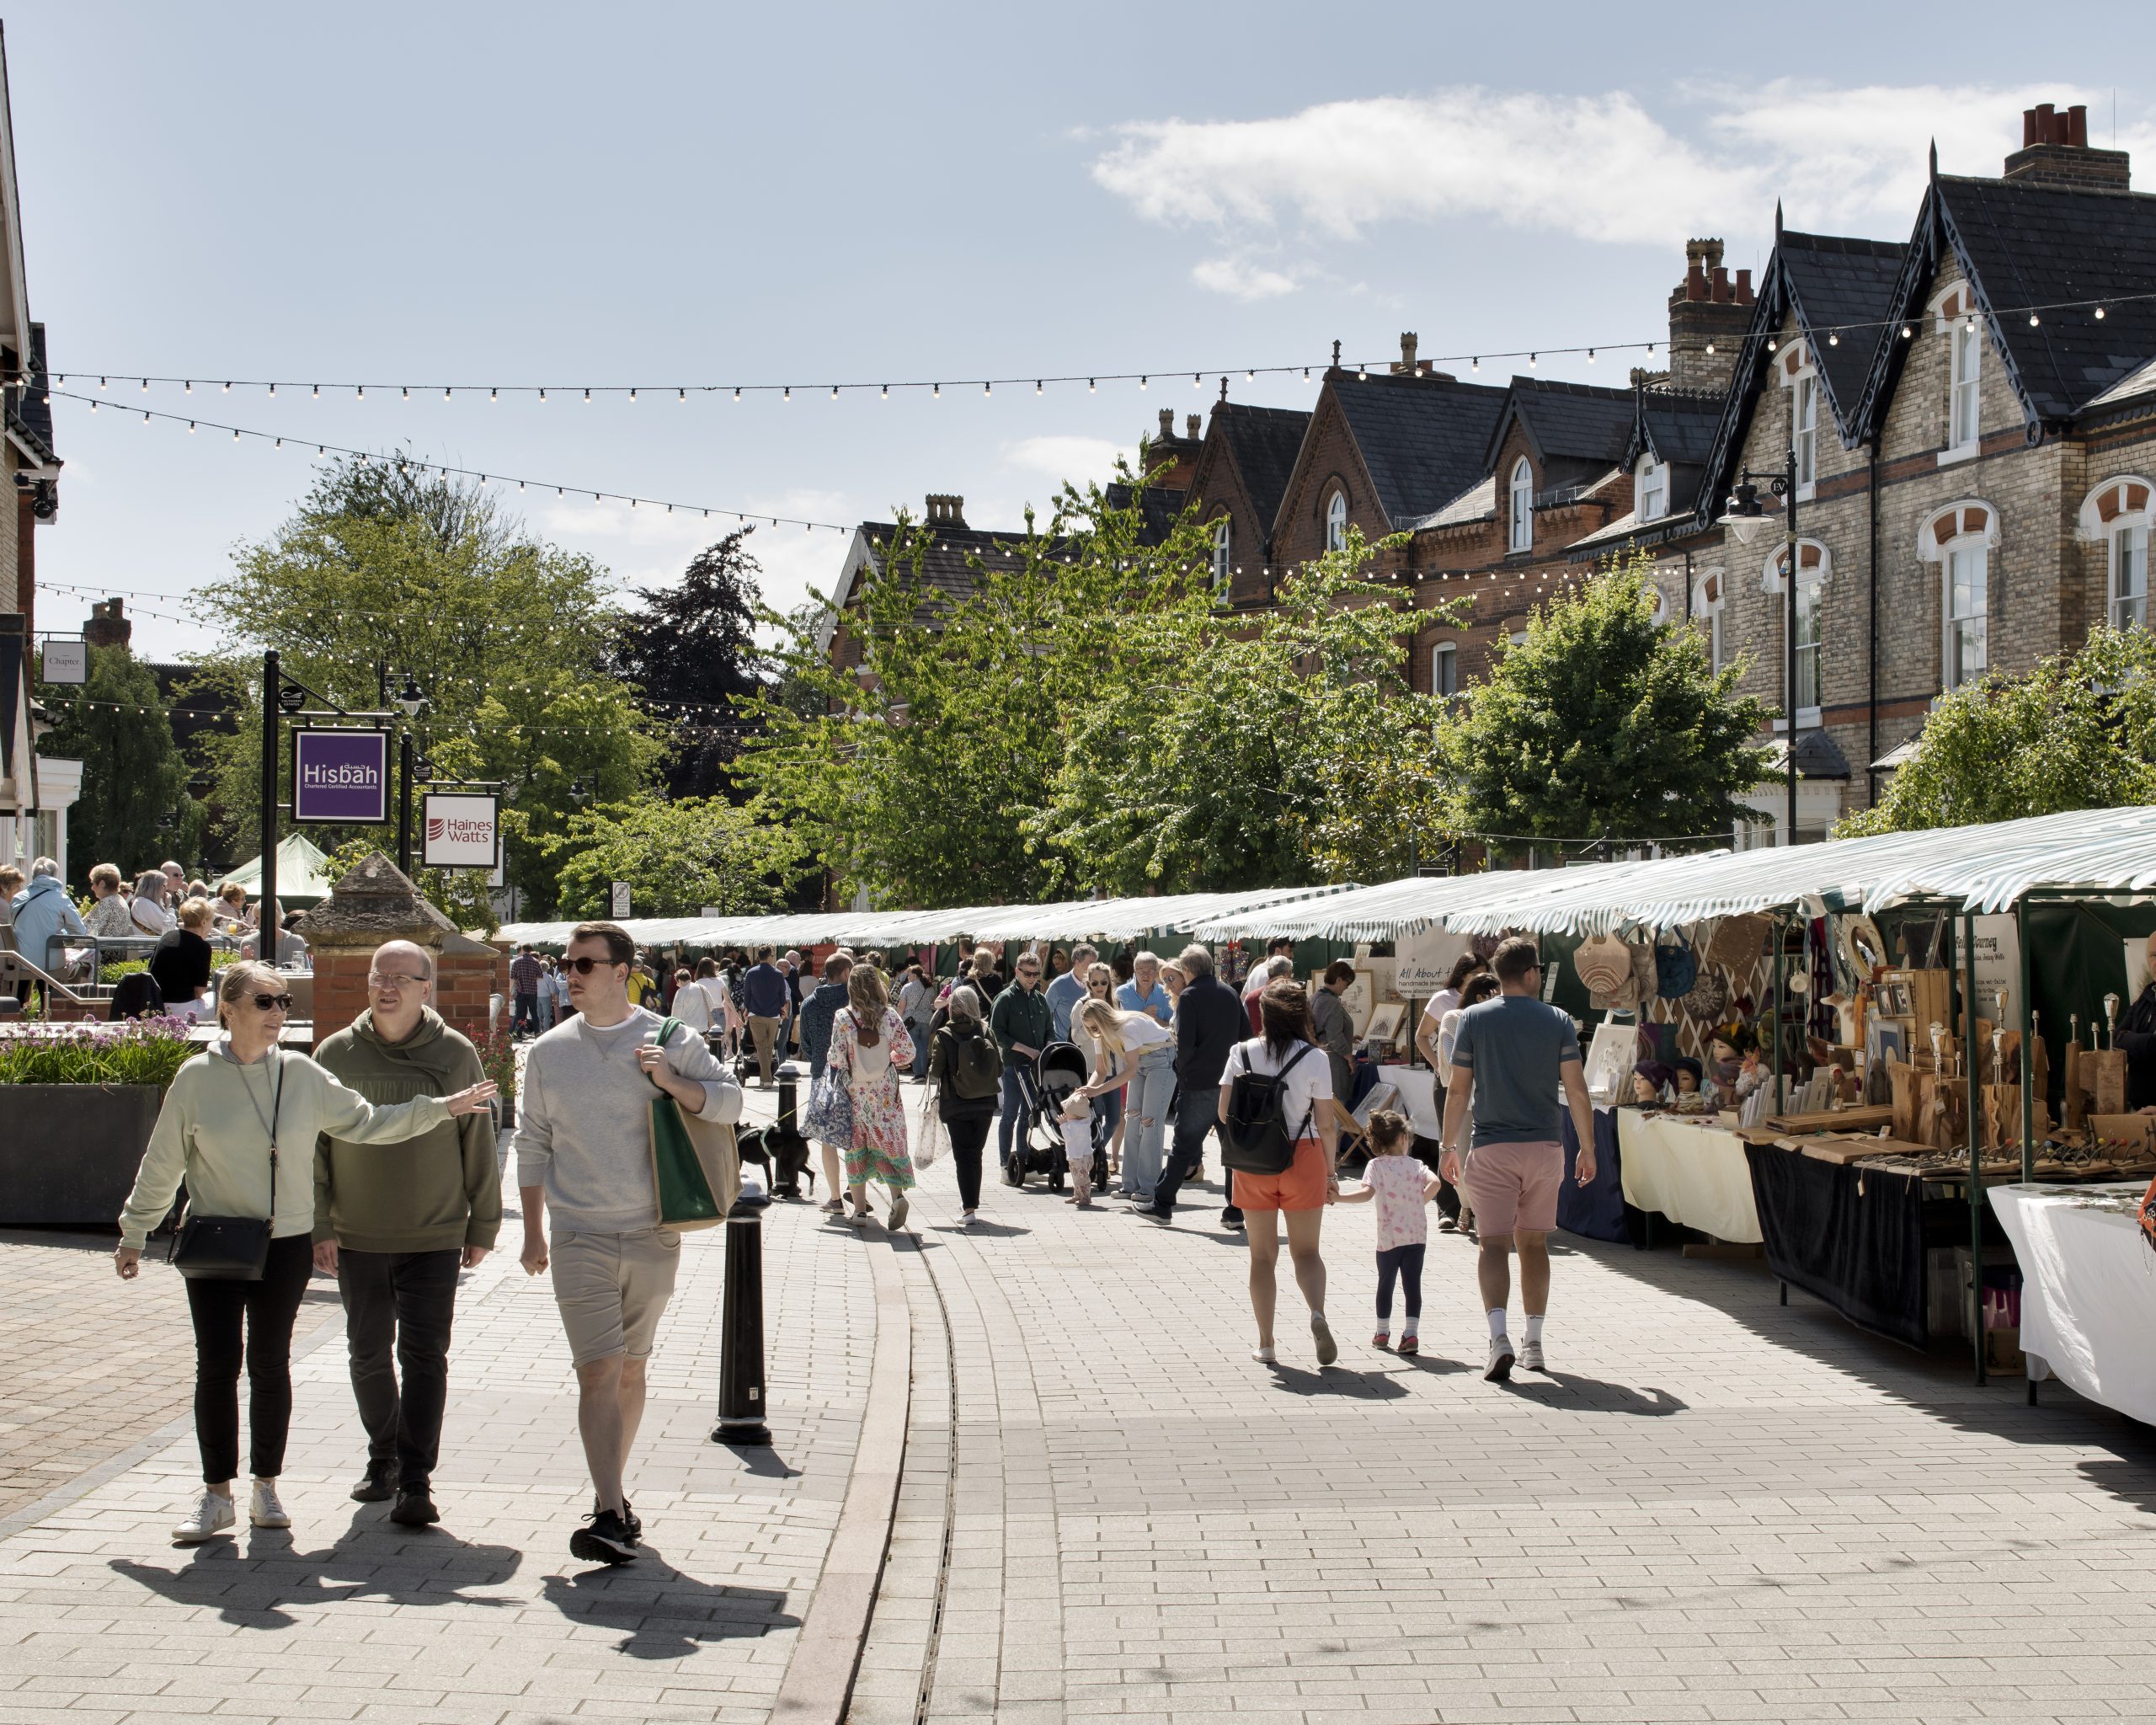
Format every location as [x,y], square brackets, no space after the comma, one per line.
[232,1248]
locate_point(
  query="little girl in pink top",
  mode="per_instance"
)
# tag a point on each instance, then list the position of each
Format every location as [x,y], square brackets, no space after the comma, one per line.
[1403,1189]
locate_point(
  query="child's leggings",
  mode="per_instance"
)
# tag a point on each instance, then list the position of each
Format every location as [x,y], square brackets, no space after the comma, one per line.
[1405,1262]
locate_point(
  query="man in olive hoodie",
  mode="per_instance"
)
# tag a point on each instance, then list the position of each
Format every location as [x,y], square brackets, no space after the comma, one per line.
[394,1223]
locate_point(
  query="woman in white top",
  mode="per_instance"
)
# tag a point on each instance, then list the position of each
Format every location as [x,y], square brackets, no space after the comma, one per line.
[148,908]
[1122,1042]
[1311,1181]
[696,1001]
[1100,985]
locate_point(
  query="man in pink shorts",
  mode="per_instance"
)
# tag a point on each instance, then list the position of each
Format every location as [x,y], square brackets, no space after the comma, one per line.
[1511,1057]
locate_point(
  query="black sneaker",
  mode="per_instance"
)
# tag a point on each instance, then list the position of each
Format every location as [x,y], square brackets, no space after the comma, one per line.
[374,1486]
[629,1521]
[607,1539]
[414,1508]
[1232,1219]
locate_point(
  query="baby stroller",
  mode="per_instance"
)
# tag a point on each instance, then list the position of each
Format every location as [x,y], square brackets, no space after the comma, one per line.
[1059,1070]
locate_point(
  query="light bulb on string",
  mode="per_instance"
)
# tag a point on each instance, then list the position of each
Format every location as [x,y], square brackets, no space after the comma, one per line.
[587,394]
[360,391]
[1089,386]
[1833,338]
[737,392]
[191,432]
[632,394]
[1532,360]
[1590,356]
[406,388]
[986,388]
[935,391]
[2033,320]
[1037,386]
[2100,314]
[1475,363]
[228,388]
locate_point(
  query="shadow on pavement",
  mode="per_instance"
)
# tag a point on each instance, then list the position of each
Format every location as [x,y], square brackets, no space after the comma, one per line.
[993,1231]
[762,1460]
[1593,1395]
[252,1588]
[665,1614]
[1336,1380]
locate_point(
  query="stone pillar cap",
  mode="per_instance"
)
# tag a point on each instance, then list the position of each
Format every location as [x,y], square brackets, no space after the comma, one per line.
[375,902]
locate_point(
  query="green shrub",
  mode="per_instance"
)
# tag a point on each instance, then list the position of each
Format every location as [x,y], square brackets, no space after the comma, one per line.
[145,1051]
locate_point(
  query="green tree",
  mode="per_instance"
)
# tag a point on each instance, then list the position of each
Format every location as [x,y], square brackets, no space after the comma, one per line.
[916,759]
[2078,731]
[691,649]
[1602,723]
[509,638]
[134,810]
[677,857]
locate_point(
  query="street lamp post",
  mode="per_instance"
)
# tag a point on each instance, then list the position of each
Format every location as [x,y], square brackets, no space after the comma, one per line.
[409,700]
[1745,509]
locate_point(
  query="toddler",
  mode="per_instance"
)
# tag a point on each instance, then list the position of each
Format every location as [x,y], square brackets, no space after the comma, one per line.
[1402,1187]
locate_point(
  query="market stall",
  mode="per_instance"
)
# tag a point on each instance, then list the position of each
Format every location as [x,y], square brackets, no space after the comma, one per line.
[1693,1171]
[1596,1210]
[2088,1289]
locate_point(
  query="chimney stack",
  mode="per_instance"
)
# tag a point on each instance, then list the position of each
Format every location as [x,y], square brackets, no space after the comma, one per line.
[110,625]
[1167,425]
[2055,152]
[1405,363]
[1192,427]
[1707,310]
[945,509]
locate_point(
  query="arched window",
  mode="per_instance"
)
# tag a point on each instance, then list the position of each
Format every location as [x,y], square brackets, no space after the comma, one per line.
[1445,670]
[1521,536]
[1800,377]
[1959,538]
[1963,326]
[1706,611]
[2118,512]
[1336,522]
[1222,550]
[1814,565]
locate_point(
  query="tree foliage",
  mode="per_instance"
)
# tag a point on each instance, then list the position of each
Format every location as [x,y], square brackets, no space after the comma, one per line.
[677,857]
[509,638]
[134,810]
[1603,722]
[2078,731]
[691,649]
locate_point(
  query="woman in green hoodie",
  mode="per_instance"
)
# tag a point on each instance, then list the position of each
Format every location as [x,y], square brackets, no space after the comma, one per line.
[226,1120]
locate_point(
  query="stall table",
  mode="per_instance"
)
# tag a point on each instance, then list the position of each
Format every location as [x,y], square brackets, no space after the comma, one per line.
[2088,1289]
[1851,1233]
[1695,1173]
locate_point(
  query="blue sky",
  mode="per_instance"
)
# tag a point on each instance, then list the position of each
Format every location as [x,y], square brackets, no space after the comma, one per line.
[661,195]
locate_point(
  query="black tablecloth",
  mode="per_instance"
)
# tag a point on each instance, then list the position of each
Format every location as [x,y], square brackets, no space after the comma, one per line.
[1861,1251]
[1596,1212]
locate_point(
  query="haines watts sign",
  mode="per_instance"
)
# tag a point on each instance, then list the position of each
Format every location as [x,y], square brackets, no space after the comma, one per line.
[461,831]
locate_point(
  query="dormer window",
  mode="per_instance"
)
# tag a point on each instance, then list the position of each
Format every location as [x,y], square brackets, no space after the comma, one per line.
[1336,522]
[2119,512]
[1223,549]
[1654,490]
[1801,377]
[1959,320]
[1522,514]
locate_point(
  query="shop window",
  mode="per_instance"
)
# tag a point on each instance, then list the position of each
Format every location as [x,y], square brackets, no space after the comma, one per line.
[1336,522]
[1522,492]
[1445,670]
[1223,547]
[1654,490]
[1706,612]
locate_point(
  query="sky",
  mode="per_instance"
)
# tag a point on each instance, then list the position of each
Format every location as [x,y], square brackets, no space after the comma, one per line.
[686,195]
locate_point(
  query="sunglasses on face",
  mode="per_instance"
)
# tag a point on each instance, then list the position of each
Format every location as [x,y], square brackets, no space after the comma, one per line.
[272,1002]
[584,967]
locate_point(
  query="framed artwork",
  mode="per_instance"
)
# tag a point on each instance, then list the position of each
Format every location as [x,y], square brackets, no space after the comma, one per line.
[1386,1021]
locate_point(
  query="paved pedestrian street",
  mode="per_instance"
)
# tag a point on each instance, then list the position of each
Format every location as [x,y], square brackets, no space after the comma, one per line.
[1711,1508]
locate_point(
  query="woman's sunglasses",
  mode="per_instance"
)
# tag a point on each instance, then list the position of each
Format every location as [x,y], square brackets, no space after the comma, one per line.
[272,1002]
[584,967]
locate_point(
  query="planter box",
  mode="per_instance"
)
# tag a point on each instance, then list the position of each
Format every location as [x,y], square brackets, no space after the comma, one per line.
[69,1152]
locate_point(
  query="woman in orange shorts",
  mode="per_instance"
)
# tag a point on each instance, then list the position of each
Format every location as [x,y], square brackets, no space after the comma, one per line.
[1301,1192]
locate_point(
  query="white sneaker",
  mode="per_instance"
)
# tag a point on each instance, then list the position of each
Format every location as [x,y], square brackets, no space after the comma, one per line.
[1328,1350]
[212,1515]
[263,1509]
[1264,1356]
[1530,1357]
[1501,1360]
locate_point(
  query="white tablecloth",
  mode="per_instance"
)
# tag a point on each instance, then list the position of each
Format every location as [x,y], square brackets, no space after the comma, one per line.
[1419,1090]
[2088,1289]
[1694,1175]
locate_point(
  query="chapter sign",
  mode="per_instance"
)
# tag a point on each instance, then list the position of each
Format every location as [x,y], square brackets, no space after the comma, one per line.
[66,662]
[462,830]
[340,776]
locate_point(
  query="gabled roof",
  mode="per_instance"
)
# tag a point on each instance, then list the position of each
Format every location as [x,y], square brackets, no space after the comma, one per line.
[1157,506]
[1262,443]
[1569,426]
[1422,439]
[1677,425]
[944,563]
[2051,249]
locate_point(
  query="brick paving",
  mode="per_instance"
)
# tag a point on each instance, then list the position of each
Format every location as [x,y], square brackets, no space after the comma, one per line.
[1715,1508]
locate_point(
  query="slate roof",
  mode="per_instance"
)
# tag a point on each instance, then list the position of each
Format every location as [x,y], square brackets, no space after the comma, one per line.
[944,564]
[1678,426]
[1817,756]
[1840,285]
[2029,245]
[1158,508]
[1568,422]
[1424,439]
[1263,443]
[1478,503]
[28,413]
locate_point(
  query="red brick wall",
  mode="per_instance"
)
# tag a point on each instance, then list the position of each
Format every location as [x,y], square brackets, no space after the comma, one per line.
[462,983]
[1330,462]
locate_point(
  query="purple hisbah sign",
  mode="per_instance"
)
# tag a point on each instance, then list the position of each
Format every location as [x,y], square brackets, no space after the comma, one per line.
[340,775]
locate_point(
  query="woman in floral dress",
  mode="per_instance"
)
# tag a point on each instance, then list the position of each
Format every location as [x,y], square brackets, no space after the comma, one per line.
[869,1045]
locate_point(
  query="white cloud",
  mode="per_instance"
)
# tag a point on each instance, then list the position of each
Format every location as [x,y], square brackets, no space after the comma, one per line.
[1061,458]
[1601,168]
[646,547]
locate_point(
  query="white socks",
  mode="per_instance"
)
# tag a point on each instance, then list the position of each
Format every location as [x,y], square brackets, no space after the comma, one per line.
[1534,1326]
[1496,1323]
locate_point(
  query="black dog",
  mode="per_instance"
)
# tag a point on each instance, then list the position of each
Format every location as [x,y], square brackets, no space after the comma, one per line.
[783,1156]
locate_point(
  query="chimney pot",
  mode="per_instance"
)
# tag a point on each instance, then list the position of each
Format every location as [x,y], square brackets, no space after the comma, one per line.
[1191,423]
[2028,127]
[2077,126]
[1744,287]
[1408,343]
[1720,279]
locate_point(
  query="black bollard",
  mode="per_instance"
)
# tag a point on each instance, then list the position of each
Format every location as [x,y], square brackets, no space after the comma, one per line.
[741,1326]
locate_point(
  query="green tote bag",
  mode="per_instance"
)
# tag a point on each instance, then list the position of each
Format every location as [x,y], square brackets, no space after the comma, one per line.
[694,1169]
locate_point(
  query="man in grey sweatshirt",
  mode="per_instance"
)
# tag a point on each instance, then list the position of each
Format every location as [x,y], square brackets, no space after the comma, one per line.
[585,1148]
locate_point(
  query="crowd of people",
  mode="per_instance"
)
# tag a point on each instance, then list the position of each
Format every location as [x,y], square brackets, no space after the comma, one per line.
[172,924]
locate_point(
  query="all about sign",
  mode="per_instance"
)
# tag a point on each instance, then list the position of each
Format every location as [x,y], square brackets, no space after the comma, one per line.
[340,776]
[461,831]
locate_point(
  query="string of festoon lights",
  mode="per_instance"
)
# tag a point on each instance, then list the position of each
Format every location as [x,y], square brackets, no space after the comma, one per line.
[2094,308]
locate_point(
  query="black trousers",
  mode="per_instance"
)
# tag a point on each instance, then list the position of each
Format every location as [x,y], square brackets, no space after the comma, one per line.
[249,1321]
[1427,1153]
[523,1013]
[968,1140]
[1197,1111]
[1406,1264]
[404,1300]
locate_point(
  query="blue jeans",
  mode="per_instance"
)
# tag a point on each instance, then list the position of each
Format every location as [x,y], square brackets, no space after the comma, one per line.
[920,1055]
[1145,1137]
[1196,1113]
[1012,1119]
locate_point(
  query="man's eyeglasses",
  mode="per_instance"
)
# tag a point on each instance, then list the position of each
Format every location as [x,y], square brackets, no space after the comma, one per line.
[584,967]
[272,1002]
[377,980]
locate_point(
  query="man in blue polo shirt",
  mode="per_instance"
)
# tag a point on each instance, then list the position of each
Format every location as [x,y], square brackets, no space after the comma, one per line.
[765,993]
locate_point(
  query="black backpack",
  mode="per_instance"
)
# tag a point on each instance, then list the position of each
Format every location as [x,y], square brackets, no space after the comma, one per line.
[974,1071]
[1254,1136]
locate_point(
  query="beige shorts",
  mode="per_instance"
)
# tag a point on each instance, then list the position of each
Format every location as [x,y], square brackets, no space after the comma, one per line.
[612,1289]
[1513,1187]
